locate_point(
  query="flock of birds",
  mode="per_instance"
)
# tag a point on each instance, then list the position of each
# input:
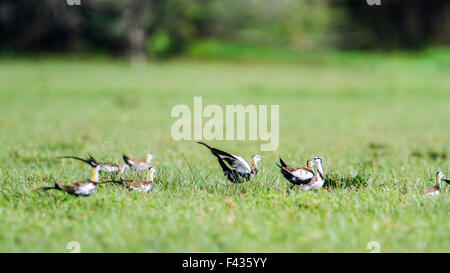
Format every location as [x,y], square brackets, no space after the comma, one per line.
[234,168]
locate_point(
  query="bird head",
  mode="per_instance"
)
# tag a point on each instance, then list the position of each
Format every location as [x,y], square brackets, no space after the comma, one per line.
[317,160]
[257,158]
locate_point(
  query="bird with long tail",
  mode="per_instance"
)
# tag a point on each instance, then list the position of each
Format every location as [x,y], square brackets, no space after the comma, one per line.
[234,167]
[297,176]
[102,167]
[80,188]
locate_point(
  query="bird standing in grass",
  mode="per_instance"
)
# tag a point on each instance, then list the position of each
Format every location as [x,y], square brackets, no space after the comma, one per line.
[102,167]
[136,164]
[234,167]
[436,189]
[319,178]
[306,178]
[297,176]
[80,188]
[140,185]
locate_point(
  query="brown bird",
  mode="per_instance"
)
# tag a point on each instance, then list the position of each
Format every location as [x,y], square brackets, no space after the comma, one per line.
[80,188]
[297,176]
[136,164]
[436,189]
[234,167]
[103,167]
[140,185]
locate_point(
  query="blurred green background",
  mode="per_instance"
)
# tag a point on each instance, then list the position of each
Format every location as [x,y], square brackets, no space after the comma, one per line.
[165,28]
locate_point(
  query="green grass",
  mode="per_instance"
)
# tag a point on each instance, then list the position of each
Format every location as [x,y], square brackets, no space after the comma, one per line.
[379,122]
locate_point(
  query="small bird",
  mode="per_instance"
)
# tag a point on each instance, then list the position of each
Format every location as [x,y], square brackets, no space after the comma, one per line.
[297,176]
[234,167]
[436,189]
[140,185]
[103,167]
[80,188]
[136,164]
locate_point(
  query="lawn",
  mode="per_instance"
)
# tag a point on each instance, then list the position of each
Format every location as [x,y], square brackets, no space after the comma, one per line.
[380,123]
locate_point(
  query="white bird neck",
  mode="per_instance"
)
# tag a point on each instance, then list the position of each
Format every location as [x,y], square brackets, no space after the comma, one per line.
[320,170]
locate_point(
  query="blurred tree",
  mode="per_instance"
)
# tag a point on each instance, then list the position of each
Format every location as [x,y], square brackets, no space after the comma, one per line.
[161,28]
[394,24]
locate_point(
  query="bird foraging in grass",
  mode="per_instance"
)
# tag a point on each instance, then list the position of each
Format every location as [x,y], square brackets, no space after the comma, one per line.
[102,167]
[136,164]
[436,189]
[319,177]
[140,185]
[80,188]
[297,176]
[306,178]
[234,167]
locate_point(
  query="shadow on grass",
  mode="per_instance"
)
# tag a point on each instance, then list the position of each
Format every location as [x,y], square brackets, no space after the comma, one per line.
[339,181]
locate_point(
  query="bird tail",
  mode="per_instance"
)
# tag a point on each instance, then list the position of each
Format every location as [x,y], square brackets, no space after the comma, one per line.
[282,163]
[55,187]
[126,159]
[112,181]
[92,161]
[224,166]
[87,161]
[205,144]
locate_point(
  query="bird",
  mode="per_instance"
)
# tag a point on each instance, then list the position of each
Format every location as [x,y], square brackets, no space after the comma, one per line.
[103,167]
[140,185]
[136,164]
[318,179]
[297,176]
[436,189]
[234,167]
[80,188]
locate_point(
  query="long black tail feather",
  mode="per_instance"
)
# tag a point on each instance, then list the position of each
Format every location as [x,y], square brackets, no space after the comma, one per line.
[282,163]
[87,161]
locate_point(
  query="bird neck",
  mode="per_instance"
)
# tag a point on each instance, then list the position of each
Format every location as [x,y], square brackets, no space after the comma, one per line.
[254,167]
[320,170]
[150,176]
[438,182]
[94,175]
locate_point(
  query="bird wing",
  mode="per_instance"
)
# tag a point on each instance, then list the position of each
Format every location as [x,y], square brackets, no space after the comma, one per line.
[234,161]
[302,173]
[430,189]
[137,184]
[296,175]
[72,188]
[446,181]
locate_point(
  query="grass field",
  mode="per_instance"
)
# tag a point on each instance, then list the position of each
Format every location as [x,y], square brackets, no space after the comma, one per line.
[381,124]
